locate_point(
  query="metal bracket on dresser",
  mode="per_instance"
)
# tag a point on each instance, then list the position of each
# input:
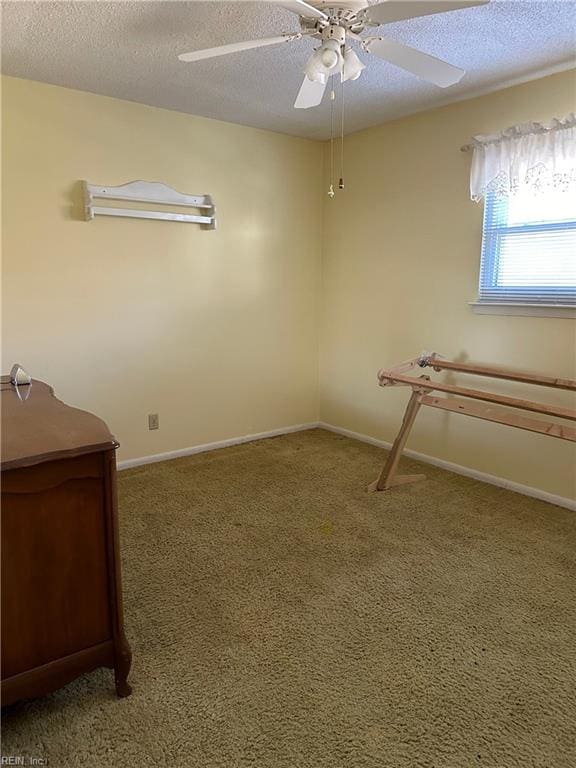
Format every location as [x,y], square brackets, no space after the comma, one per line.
[150,192]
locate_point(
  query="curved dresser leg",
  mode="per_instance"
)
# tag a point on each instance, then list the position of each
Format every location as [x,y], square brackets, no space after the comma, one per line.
[122,663]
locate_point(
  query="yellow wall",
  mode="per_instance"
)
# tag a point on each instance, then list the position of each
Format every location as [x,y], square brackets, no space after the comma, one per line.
[215,331]
[218,331]
[401,257]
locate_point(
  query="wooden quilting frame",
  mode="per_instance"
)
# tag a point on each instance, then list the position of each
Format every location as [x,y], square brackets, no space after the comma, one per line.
[476,403]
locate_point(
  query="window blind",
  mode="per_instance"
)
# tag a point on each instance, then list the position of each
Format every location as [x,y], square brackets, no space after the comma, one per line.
[529,249]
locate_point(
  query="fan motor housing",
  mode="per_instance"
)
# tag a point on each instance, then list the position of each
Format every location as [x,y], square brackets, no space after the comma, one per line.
[343,19]
[334,32]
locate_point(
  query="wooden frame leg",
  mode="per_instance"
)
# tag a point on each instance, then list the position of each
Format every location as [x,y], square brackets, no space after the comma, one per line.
[386,478]
[122,663]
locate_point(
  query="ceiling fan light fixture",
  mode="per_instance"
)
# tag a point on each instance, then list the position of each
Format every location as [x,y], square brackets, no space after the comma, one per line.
[330,54]
[352,66]
[324,62]
[315,70]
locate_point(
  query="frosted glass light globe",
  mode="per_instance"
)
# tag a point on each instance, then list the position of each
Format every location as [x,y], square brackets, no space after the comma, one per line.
[329,57]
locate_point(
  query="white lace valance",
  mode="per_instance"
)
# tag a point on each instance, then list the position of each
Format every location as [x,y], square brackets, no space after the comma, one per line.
[525,158]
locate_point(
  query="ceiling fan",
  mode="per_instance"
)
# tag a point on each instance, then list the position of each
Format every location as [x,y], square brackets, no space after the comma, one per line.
[338,24]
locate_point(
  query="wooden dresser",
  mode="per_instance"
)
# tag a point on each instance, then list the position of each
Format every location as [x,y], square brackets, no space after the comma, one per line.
[61,585]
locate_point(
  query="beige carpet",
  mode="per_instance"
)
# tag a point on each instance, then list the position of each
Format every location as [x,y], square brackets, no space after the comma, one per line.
[280,617]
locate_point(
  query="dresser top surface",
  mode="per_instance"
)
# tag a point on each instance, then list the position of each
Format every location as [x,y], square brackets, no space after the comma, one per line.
[38,427]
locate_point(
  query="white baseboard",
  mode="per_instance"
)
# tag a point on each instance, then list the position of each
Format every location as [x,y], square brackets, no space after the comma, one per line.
[129,463]
[527,490]
[458,469]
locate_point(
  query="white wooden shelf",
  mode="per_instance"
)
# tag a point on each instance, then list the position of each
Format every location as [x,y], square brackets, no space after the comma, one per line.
[152,192]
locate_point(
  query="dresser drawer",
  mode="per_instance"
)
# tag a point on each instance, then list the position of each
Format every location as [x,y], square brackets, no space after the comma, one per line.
[61,582]
[55,583]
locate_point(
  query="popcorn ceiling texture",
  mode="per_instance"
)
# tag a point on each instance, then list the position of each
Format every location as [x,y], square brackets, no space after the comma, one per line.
[281,617]
[129,50]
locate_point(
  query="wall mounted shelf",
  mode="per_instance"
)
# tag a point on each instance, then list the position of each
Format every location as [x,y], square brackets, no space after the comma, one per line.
[151,192]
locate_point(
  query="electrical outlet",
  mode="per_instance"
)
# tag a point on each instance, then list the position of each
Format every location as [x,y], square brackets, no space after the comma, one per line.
[153,421]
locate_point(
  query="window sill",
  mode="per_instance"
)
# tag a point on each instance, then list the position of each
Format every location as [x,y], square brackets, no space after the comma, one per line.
[526,310]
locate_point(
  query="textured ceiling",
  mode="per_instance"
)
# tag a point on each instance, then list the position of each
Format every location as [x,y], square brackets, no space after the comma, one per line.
[129,49]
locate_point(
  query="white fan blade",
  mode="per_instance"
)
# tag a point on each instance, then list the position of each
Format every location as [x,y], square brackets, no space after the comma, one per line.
[300,7]
[421,64]
[296,6]
[389,11]
[310,94]
[222,50]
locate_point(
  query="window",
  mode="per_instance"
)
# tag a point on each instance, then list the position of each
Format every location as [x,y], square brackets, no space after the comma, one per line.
[529,249]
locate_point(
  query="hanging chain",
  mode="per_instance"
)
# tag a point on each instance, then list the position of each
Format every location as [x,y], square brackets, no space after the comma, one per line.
[331,189]
[341,182]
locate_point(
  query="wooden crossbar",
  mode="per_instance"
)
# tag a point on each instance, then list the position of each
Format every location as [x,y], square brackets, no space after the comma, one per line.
[479,394]
[498,373]
[463,403]
[500,416]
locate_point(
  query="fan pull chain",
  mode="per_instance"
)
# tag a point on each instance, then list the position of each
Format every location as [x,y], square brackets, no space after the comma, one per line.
[341,182]
[331,189]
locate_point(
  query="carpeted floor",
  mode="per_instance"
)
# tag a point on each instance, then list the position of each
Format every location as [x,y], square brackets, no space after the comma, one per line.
[281,617]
